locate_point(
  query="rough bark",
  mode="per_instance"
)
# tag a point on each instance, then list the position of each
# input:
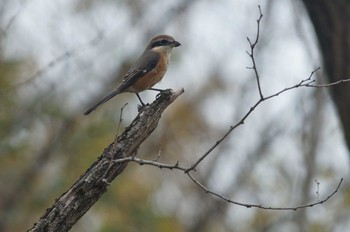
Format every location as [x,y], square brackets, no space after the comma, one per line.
[331,20]
[75,202]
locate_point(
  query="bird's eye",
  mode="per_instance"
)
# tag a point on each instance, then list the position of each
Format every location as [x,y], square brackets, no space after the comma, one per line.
[161,42]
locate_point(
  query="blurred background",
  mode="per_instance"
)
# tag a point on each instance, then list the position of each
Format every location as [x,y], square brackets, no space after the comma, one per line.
[58,57]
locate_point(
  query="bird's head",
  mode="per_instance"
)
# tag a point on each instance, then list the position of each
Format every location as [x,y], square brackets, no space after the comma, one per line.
[162,43]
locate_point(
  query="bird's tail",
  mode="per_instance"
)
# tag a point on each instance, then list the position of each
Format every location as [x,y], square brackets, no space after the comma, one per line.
[103,100]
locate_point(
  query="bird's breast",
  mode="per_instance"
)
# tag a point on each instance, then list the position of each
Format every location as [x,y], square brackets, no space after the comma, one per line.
[153,76]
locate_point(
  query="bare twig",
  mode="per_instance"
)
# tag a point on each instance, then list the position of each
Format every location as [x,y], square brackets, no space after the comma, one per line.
[318,202]
[151,163]
[308,82]
[303,83]
[158,155]
[317,189]
[176,166]
[13,18]
[251,53]
[330,84]
[120,120]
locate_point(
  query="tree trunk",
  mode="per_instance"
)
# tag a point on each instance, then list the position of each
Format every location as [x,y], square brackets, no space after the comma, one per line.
[331,20]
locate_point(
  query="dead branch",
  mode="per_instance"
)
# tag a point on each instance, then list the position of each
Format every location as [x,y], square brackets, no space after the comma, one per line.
[75,202]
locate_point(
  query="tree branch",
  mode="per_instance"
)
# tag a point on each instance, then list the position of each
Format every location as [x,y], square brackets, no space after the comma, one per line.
[318,202]
[74,203]
[188,172]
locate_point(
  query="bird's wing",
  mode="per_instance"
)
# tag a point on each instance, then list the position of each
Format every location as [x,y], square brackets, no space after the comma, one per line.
[143,65]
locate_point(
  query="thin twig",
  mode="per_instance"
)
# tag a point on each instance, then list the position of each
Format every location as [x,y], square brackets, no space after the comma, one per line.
[151,163]
[318,202]
[13,18]
[329,84]
[303,83]
[158,155]
[308,82]
[176,166]
[251,53]
[120,120]
[317,189]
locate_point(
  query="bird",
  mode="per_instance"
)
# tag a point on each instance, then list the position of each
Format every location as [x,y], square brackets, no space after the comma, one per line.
[147,71]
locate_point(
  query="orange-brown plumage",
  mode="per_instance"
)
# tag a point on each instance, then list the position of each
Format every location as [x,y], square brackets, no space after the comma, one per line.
[147,71]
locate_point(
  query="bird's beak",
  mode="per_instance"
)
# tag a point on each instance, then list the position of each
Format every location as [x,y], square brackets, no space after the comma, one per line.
[176,44]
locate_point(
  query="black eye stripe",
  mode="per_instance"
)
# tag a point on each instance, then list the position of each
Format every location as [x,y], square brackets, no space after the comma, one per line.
[160,43]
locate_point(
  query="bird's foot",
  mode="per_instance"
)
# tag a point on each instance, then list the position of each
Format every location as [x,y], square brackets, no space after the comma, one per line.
[164,92]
